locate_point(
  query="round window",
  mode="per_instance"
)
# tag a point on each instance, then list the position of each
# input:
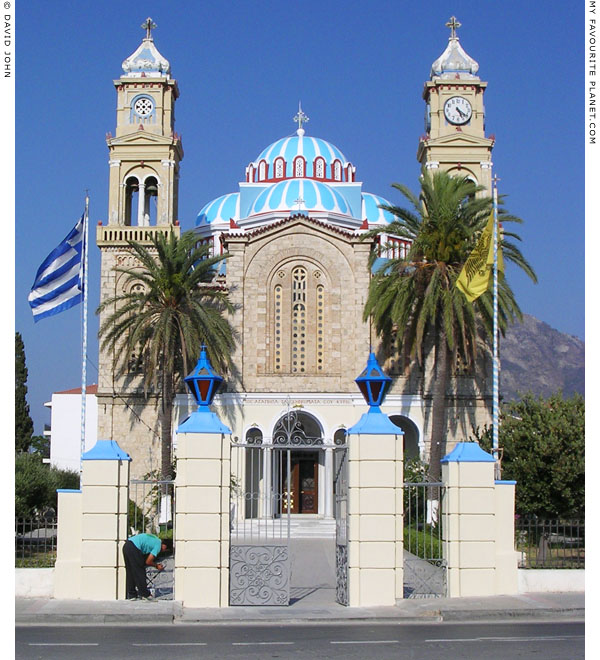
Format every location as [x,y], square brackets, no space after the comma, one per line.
[143,107]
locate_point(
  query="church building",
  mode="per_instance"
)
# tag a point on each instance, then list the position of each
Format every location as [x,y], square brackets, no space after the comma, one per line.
[297,273]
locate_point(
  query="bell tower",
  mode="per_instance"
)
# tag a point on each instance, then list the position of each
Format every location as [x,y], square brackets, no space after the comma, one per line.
[455,138]
[144,158]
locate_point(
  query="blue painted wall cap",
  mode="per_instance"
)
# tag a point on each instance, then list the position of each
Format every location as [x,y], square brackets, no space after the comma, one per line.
[468,452]
[374,422]
[203,421]
[106,450]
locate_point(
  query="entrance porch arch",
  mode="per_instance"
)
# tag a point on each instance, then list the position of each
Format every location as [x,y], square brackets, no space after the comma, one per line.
[411,435]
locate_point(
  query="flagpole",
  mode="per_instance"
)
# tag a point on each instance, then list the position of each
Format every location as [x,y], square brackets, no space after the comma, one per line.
[84,328]
[496,365]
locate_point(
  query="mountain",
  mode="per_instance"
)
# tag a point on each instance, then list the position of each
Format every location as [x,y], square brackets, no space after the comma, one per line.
[535,357]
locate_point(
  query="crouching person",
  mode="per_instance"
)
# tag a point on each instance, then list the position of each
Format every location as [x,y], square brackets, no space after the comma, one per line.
[140,551]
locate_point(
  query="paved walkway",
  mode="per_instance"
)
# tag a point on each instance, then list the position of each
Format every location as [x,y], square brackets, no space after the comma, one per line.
[310,605]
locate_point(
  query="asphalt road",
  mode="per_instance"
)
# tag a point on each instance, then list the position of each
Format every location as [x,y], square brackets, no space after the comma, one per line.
[494,641]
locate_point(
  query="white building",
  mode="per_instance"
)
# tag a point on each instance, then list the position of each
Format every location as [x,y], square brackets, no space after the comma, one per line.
[65,426]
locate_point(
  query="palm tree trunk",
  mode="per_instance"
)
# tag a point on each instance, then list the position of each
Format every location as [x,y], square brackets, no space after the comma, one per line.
[438,411]
[166,422]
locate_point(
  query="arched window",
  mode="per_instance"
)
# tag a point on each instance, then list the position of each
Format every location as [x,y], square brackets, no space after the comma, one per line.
[262,170]
[150,201]
[299,319]
[339,437]
[278,295]
[254,472]
[337,171]
[279,168]
[298,295]
[299,166]
[132,189]
[319,168]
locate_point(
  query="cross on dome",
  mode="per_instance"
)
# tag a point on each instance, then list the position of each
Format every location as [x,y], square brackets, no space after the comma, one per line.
[148,25]
[453,24]
[300,118]
[299,201]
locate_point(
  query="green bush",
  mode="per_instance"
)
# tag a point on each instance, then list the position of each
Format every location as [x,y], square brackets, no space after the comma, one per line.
[36,484]
[423,543]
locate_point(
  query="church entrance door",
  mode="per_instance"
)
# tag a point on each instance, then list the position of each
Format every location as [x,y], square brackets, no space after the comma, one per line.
[304,473]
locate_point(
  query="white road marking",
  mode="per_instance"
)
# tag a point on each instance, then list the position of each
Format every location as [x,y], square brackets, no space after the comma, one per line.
[507,639]
[63,644]
[172,644]
[261,643]
[369,641]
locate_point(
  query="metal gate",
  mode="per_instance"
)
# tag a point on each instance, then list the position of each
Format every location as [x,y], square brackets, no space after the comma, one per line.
[340,486]
[425,560]
[151,510]
[259,551]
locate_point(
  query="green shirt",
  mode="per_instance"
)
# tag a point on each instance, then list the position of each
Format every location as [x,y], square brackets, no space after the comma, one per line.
[147,543]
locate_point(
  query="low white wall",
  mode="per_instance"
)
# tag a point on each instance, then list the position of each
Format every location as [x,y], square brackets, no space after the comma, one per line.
[540,579]
[39,582]
[34,582]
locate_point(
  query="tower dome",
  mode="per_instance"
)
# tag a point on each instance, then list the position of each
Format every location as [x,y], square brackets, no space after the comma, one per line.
[454,61]
[146,60]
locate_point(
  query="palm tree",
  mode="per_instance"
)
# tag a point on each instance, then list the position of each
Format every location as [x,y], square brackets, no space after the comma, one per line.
[413,300]
[169,308]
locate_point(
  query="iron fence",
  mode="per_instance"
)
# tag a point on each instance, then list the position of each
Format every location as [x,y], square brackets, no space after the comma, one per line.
[35,542]
[550,543]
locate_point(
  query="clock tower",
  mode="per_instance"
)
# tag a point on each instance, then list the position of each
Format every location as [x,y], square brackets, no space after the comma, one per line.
[455,138]
[144,157]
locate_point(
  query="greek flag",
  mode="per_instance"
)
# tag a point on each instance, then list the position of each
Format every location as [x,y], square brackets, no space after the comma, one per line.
[58,283]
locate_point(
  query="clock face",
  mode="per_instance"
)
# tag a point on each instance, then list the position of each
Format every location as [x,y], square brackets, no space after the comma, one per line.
[143,107]
[457,110]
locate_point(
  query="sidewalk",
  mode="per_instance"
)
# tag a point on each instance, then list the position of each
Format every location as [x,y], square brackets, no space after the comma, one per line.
[317,606]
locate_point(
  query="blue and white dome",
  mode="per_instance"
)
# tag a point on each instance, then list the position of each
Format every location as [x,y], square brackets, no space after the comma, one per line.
[300,195]
[300,156]
[295,175]
[222,209]
[371,210]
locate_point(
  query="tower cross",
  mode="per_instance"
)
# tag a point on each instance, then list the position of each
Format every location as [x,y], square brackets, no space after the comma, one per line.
[300,117]
[148,25]
[453,24]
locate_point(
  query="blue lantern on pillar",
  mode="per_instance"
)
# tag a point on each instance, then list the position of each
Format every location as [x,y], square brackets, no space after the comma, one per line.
[373,383]
[203,382]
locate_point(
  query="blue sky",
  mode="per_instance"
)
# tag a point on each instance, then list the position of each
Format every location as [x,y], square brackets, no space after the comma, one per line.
[358,68]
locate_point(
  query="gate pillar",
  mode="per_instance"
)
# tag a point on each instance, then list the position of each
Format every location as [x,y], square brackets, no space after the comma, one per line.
[92,527]
[477,524]
[202,517]
[375,512]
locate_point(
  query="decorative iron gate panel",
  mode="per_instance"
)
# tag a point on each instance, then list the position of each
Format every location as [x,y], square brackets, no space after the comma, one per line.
[340,484]
[259,553]
[151,510]
[424,555]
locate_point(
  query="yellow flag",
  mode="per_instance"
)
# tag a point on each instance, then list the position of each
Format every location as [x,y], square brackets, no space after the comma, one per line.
[475,275]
